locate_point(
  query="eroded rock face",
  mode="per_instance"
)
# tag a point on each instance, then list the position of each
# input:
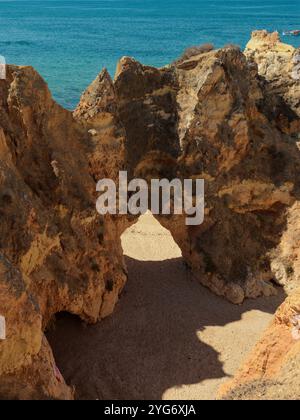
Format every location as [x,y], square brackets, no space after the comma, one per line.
[57,253]
[272,370]
[210,117]
[250,175]
[203,118]
[39,380]
[278,64]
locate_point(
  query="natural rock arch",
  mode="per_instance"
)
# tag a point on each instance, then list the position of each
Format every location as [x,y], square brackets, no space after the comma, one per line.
[209,117]
[203,118]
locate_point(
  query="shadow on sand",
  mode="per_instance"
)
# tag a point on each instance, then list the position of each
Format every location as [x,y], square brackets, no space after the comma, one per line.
[150,343]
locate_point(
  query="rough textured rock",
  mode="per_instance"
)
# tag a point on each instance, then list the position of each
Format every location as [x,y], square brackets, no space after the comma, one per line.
[278,64]
[57,253]
[285,259]
[211,117]
[207,117]
[279,71]
[97,112]
[250,169]
[272,371]
[38,380]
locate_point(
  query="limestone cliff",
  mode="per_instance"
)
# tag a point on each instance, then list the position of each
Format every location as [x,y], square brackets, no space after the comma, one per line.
[210,116]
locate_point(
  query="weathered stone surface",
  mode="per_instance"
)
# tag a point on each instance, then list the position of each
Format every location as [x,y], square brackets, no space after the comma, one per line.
[57,253]
[272,371]
[211,117]
[38,380]
[250,180]
[286,257]
[204,118]
[98,113]
[278,64]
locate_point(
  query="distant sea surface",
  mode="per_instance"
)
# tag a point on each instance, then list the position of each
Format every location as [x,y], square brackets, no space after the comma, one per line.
[69,42]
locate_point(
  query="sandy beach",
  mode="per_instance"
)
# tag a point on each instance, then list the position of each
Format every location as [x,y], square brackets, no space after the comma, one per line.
[169,338]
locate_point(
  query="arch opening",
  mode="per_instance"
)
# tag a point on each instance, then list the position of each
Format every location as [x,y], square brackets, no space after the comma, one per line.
[169,337]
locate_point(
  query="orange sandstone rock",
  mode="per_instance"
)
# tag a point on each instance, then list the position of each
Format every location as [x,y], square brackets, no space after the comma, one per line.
[210,116]
[272,370]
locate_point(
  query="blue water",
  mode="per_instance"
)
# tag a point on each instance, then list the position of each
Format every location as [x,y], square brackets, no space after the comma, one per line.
[70,41]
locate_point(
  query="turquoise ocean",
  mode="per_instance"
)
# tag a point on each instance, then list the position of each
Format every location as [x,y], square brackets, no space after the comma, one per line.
[69,42]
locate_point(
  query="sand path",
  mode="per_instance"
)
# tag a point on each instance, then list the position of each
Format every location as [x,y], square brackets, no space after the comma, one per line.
[169,337]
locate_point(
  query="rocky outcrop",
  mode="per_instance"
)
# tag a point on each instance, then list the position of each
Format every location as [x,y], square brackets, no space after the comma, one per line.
[38,380]
[203,118]
[57,253]
[209,116]
[243,157]
[279,66]
[285,259]
[279,75]
[272,370]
